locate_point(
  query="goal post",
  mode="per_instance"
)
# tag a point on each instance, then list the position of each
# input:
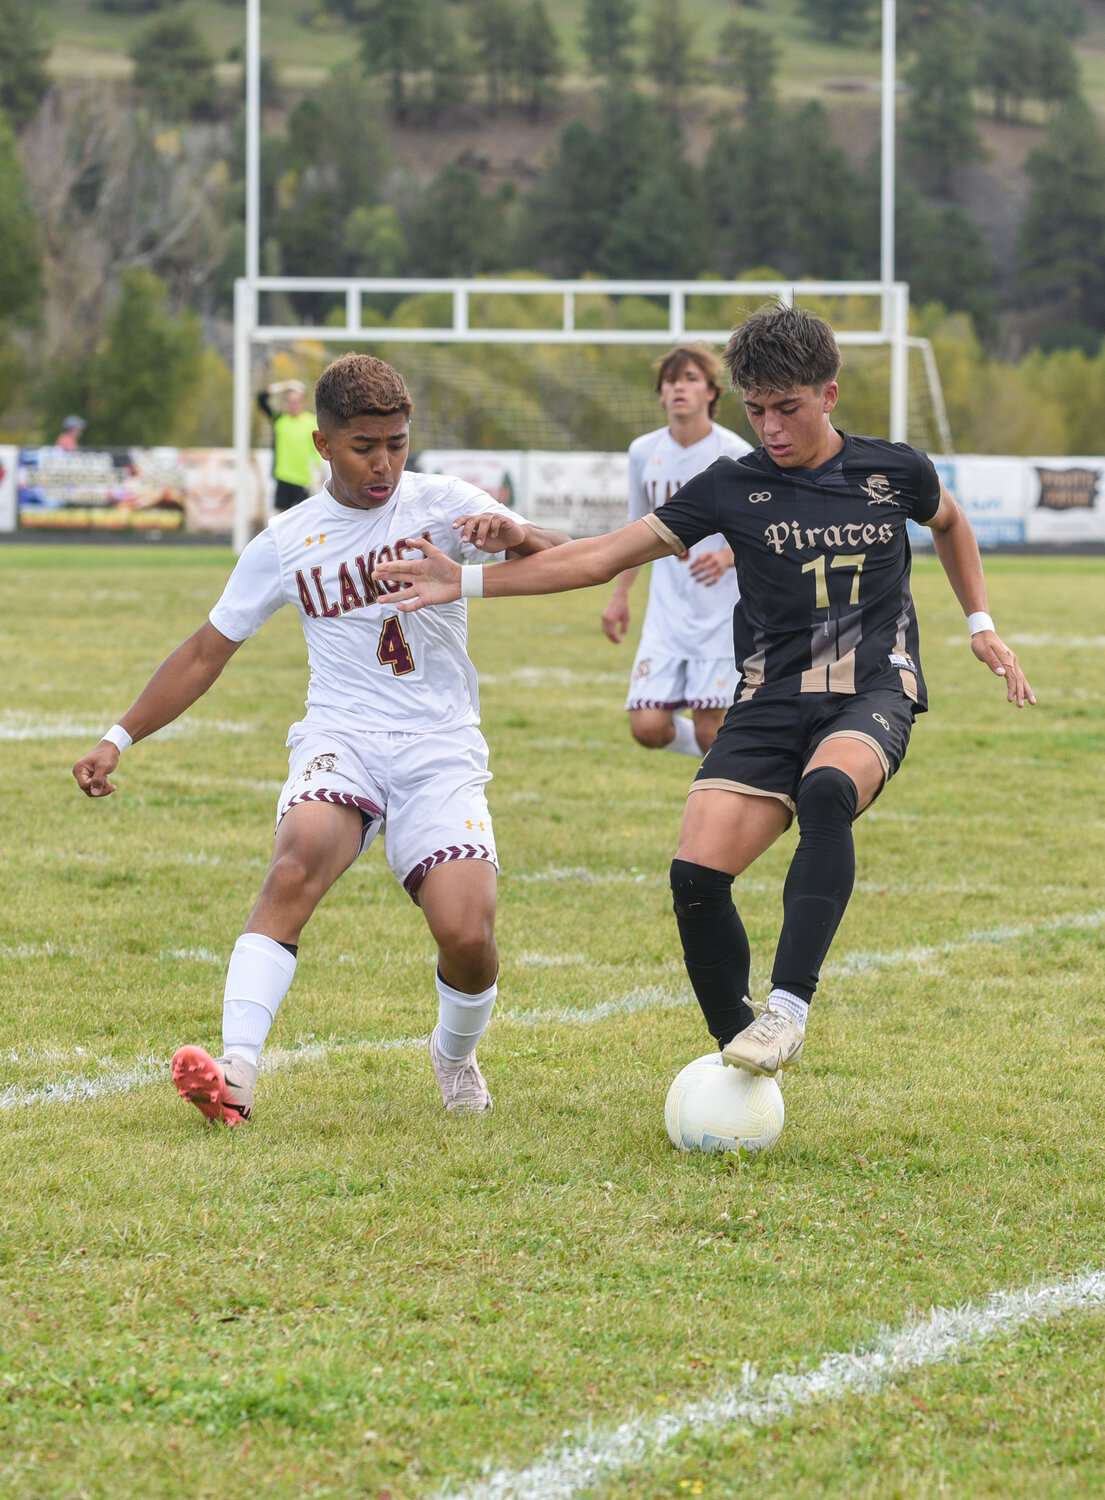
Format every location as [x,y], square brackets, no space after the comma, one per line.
[882,310]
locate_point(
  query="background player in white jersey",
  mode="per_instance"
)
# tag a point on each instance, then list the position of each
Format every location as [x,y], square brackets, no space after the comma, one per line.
[685,655]
[389,739]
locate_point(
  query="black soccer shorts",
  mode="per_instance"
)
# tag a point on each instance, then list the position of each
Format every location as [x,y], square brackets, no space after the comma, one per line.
[765,744]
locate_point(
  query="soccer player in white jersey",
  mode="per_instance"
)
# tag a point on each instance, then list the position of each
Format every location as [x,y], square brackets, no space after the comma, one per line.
[390,739]
[685,655]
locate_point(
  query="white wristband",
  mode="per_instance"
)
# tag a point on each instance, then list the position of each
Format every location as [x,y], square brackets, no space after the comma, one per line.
[119,737]
[471,583]
[980,620]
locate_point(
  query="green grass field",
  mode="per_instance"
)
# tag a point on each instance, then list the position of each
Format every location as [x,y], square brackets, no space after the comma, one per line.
[356,1296]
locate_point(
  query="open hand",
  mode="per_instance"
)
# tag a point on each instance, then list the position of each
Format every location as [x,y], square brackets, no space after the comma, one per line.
[433,578]
[709,568]
[988,646]
[615,619]
[491,532]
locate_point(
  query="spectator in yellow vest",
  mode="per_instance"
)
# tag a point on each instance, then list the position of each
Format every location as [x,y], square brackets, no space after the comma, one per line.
[294,459]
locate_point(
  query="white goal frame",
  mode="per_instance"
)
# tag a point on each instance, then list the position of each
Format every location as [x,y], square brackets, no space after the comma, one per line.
[893,331]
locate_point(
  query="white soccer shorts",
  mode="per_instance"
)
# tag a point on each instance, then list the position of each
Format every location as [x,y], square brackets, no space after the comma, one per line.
[426,791]
[674,682]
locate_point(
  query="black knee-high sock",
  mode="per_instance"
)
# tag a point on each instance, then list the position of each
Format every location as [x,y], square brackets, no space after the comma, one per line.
[819,881]
[715,946]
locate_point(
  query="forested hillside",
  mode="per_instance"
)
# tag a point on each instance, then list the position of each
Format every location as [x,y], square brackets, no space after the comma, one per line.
[623,138]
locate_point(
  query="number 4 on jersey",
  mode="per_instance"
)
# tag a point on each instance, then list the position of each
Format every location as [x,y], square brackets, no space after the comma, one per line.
[393,650]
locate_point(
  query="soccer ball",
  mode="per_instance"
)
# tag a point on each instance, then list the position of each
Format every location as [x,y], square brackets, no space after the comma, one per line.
[712,1107]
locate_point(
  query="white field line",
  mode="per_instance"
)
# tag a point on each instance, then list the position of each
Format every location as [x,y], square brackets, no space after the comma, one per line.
[43,950]
[859,963]
[625,1005]
[939,1336]
[1027,640]
[115,1080]
[149,1070]
[19,726]
[542,677]
[581,873]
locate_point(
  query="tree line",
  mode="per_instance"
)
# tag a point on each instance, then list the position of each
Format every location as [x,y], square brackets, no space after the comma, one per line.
[125,211]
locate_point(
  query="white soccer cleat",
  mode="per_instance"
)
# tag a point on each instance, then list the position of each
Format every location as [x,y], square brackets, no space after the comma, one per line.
[773,1041]
[463,1087]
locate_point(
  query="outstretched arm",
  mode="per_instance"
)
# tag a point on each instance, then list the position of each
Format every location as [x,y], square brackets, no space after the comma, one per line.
[434,578]
[957,548]
[182,678]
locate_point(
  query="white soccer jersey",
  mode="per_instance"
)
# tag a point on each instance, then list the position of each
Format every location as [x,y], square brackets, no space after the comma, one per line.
[684,619]
[372,669]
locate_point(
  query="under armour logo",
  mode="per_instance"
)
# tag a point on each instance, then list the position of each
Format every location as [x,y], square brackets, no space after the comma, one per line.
[319,539]
[759,496]
[468,823]
[878,718]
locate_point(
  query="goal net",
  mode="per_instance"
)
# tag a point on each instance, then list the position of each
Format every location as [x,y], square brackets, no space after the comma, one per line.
[567,366]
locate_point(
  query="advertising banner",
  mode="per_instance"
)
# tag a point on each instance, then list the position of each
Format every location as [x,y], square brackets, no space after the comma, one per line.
[583,494]
[1066,500]
[131,489]
[501,474]
[1052,502]
[208,480]
[9,460]
[114,489]
[994,494]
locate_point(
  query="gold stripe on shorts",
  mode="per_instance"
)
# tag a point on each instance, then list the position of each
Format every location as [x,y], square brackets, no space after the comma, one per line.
[718,784]
[864,739]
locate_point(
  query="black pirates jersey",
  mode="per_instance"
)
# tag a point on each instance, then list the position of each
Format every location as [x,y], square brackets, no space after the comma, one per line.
[822,560]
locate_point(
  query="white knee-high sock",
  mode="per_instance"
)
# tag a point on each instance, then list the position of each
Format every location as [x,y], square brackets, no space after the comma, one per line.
[257,979]
[685,741]
[462,1019]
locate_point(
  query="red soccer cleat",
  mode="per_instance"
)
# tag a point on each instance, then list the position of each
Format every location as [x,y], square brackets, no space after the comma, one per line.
[217,1087]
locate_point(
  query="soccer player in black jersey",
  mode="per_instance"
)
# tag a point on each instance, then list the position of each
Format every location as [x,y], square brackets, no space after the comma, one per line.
[825,637]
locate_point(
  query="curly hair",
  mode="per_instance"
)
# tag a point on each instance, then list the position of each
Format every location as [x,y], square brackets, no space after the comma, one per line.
[676,360]
[357,385]
[780,348]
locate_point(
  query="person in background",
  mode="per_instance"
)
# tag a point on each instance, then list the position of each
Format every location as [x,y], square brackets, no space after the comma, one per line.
[69,438]
[294,458]
[685,655]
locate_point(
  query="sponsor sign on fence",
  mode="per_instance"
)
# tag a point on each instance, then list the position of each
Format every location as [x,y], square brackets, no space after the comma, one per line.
[1010,501]
[131,489]
[9,459]
[1066,500]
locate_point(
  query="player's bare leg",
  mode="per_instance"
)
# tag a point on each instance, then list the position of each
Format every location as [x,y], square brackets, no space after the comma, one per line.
[729,830]
[314,844]
[458,900]
[707,722]
[653,728]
